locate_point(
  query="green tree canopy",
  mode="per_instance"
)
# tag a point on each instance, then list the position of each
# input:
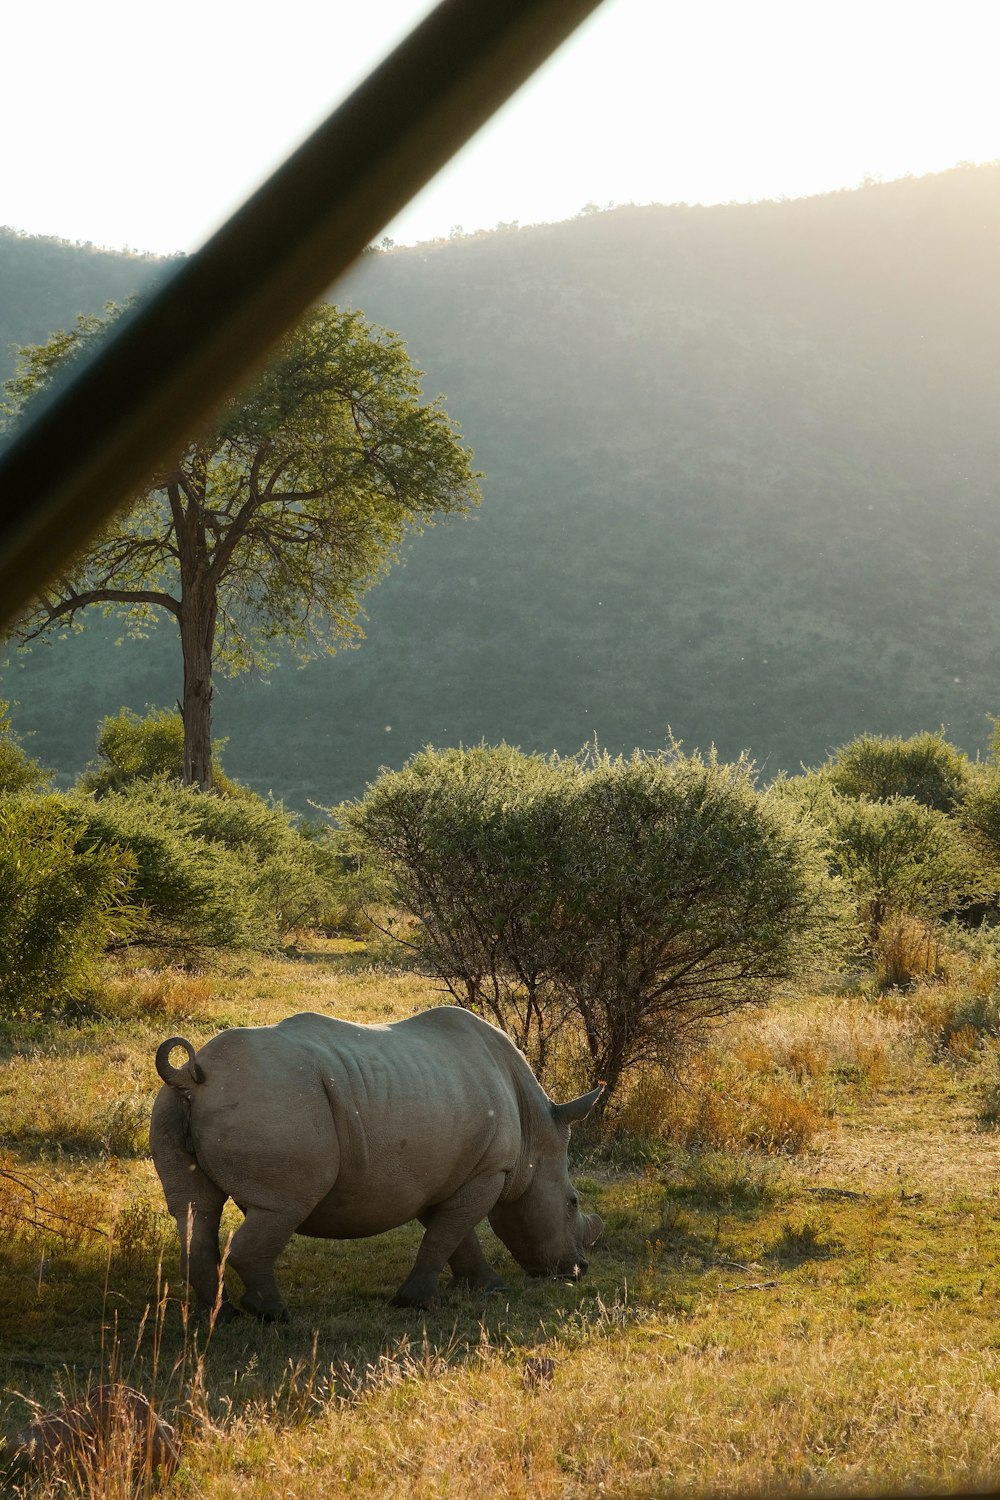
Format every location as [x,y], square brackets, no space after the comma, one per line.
[271,524]
[133,747]
[925,767]
[642,897]
[897,856]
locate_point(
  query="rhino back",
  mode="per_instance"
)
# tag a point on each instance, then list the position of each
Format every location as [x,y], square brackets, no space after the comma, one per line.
[361,1127]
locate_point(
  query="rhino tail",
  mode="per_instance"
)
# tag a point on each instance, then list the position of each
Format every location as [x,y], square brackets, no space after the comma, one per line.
[183,1077]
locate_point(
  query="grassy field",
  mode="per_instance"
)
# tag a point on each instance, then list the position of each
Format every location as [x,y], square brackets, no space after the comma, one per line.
[797,1289]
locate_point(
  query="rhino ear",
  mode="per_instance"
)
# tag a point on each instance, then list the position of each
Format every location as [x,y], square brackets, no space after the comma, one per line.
[575,1110]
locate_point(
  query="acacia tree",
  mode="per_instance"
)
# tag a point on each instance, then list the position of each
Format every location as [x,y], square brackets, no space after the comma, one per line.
[272,523]
[643,898]
[925,767]
[467,842]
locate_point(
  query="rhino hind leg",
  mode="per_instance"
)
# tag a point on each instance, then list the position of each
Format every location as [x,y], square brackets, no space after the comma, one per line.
[450,1235]
[198,1229]
[256,1246]
[193,1199]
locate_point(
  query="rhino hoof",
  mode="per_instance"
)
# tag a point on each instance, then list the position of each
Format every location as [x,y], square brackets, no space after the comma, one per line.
[265,1314]
[406,1299]
[227,1312]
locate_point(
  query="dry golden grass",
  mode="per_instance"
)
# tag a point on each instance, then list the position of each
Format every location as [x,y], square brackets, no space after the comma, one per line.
[796,1291]
[167,994]
[908,950]
[642,1409]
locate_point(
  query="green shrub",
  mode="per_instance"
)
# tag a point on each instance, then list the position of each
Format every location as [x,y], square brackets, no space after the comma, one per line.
[459,839]
[211,871]
[60,904]
[641,897]
[685,895]
[17,772]
[293,879]
[899,857]
[132,747]
[925,768]
[980,813]
[192,892]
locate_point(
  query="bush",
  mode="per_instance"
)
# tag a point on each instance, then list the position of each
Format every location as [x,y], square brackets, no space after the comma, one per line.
[717,1103]
[59,904]
[459,838]
[685,895]
[899,858]
[293,879]
[135,748]
[906,951]
[192,892]
[211,871]
[980,812]
[925,768]
[908,863]
[642,897]
[17,772]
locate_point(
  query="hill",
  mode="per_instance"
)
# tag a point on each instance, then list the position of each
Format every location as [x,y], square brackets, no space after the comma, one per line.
[45,282]
[740,475]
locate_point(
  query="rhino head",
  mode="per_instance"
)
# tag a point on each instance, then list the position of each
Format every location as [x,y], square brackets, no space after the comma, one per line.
[543,1227]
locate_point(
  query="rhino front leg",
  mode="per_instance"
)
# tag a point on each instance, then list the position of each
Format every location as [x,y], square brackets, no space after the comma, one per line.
[450,1232]
[471,1269]
[256,1246]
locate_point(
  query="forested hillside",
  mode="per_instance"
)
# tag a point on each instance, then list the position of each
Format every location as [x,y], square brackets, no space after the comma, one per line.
[44,283]
[741,471]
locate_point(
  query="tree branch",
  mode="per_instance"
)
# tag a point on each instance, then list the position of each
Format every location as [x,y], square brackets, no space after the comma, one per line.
[68,607]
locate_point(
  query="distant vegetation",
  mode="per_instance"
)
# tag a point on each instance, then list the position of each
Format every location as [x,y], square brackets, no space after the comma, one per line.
[45,283]
[606,912]
[741,474]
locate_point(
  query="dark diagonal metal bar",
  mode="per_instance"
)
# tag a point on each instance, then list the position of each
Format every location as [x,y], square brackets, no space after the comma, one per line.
[179,355]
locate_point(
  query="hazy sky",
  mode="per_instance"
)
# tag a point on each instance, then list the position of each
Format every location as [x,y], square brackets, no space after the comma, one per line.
[133,124]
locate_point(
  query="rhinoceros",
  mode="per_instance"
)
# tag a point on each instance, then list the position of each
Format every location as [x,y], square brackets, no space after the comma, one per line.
[329,1128]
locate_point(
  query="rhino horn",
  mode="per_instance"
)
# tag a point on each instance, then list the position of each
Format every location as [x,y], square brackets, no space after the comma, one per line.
[575,1110]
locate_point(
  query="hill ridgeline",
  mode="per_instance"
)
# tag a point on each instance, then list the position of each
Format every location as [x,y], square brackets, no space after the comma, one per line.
[741,470]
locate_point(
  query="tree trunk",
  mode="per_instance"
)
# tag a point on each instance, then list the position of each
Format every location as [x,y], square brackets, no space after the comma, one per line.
[197,643]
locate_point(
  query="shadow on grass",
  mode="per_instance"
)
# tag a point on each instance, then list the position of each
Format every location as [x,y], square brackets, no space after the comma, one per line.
[378,956]
[71,1314]
[67,1308]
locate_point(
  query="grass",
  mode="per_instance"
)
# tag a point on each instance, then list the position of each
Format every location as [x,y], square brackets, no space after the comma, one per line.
[775,1307]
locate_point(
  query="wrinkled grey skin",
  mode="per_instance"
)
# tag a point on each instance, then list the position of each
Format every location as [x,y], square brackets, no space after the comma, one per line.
[328,1128]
